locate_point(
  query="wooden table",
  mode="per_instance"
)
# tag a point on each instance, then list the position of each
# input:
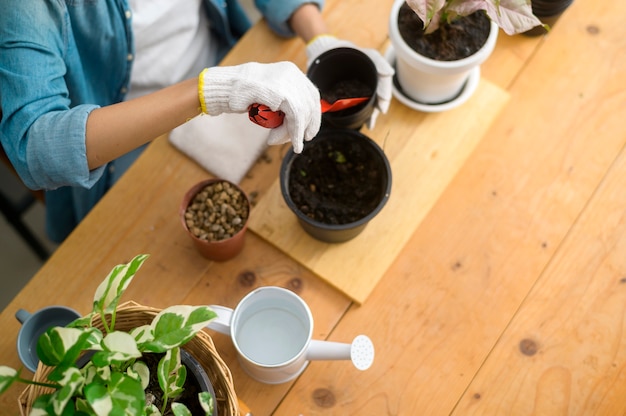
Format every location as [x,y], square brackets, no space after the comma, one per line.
[508,299]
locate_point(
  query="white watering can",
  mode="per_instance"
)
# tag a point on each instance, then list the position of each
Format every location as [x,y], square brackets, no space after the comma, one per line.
[271,329]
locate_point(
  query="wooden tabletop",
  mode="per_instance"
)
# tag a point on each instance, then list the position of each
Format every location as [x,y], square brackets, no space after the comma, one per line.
[508,299]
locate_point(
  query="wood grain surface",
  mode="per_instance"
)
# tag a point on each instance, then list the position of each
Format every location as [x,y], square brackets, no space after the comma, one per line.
[507,298]
[425,154]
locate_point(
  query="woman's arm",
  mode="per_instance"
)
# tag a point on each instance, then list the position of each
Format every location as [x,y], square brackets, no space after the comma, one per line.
[114,130]
[307,22]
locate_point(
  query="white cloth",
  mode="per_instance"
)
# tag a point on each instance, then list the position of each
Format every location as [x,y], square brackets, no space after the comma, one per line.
[172,43]
[226,145]
[280,86]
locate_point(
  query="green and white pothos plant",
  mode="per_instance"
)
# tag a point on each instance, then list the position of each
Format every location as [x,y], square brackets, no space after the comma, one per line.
[113,381]
[513,16]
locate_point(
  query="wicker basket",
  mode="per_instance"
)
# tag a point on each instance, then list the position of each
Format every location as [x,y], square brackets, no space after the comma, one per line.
[131,315]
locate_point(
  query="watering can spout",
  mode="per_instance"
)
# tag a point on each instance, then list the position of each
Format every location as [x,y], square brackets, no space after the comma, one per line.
[360,351]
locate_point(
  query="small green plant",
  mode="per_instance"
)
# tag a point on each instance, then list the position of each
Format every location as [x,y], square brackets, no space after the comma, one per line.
[113,381]
[513,16]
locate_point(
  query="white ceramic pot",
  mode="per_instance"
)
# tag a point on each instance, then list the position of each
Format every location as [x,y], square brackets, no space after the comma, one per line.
[427,80]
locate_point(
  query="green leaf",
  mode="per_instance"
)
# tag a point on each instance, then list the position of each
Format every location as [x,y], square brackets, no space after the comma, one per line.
[180,409]
[152,411]
[142,334]
[110,291]
[82,322]
[207,402]
[72,381]
[124,395]
[171,373]
[176,325]
[8,376]
[40,405]
[117,347]
[93,374]
[141,372]
[60,347]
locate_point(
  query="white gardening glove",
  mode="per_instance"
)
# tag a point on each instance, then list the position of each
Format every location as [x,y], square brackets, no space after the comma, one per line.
[323,43]
[280,86]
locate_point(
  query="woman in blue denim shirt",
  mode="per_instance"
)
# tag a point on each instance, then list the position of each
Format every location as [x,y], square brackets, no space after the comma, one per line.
[80,94]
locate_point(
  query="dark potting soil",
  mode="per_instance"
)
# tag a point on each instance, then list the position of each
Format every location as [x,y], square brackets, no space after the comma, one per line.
[335,181]
[451,41]
[351,88]
[189,396]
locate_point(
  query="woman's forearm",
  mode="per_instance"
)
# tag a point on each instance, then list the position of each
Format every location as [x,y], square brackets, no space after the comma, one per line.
[307,22]
[114,130]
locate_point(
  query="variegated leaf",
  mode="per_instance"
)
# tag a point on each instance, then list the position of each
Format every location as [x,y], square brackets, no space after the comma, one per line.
[207,402]
[110,291]
[7,376]
[60,346]
[152,411]
[171,373]
[142,372]
[122,393]
[72,381]
[428,11]
[117,347]
[180,409]
[40,405]
[176,325]
[513,16]
[142,334]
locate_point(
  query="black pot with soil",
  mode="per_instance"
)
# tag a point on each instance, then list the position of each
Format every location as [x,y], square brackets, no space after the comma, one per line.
[345,73]
[340,181]
[196,381]
[548,11]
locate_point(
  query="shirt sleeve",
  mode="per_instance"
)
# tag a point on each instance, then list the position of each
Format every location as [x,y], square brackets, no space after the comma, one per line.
[42,136]
[278,12]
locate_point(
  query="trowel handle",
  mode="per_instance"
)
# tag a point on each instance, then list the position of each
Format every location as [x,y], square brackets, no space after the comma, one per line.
[221,323]
[263,116]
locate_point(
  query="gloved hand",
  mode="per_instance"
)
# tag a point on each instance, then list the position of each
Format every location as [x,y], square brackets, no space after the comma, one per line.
[280,86]
[323,43]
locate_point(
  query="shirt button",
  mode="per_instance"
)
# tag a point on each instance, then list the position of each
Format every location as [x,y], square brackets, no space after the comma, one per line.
[129,57]
[128,14]
[124,90]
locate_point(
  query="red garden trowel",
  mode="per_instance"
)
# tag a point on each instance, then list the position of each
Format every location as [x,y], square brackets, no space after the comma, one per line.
[263,116]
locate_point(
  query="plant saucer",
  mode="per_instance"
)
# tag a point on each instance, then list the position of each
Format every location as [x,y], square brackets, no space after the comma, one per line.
[468,89]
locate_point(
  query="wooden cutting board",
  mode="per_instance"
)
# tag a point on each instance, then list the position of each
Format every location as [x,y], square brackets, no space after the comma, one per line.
[426,150]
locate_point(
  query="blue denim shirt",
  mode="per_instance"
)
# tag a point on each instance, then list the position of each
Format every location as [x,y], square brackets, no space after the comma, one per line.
[61,59]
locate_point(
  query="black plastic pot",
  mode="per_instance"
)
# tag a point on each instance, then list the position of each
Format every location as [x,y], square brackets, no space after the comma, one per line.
[194,370]
[339,66]
[199,374]
[358,152]
[548,11]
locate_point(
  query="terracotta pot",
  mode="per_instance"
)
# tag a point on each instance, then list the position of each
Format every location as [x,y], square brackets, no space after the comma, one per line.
[222,249]
[427,80]
[371,156]
[345,65]
[548,11]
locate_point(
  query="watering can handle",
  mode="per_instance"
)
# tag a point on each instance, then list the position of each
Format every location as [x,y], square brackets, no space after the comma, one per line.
[221,323]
